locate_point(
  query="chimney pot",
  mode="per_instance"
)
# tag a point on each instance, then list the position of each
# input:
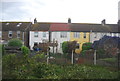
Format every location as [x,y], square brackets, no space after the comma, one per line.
[69,20]
[35,20]
[103,22]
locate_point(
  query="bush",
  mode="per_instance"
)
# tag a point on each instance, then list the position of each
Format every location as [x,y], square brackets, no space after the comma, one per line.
[17,68]
[2,49]
[25,50]
[8,66]
[15,42]
[65,47]
[86,46]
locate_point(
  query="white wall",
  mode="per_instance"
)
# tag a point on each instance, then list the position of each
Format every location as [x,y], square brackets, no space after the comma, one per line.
[100,35]
[37,39]
[56,36]
[119,10]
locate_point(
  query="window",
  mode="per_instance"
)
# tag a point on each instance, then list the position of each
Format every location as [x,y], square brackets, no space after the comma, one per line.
[63,34]
[95,35]
[44,34]
[18,25]
[84,35]
[35,34]
[7,23]
[0,34]
[10,34]
[76,35]
[18,34]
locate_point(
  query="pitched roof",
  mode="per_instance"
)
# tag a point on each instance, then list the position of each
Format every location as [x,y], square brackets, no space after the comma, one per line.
[40,27]
[76,27]
[15,26]
[59,27]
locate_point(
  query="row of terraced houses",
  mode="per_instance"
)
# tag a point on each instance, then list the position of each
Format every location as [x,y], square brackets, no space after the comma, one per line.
[39,32]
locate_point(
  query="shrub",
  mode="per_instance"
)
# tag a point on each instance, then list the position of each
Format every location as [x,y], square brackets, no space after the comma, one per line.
[8,66]
[2,49]
[25,50]
[15,42]
[65,47]
[86,46]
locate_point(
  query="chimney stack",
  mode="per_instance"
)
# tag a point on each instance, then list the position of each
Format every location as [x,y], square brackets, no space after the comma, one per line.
[103,22]
[69,20]
[118,26]
[35,20]
[119,23]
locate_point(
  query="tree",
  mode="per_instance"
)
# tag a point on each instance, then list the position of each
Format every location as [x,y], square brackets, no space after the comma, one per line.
[15,42]
[109,44]
[68,46]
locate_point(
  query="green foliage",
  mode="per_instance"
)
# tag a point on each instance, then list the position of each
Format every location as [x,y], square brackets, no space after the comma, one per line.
[2,49]
[83,52]
[113,60]
[25,50]
[8,65]
[15,42]
[86,46]
[16,67]
[65,47]
[42,55]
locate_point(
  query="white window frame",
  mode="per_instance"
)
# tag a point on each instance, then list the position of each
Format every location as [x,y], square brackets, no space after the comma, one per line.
[36,34]
[18,34]
[63,34]
[76,35]
[44,34]
[84,36]
[95,35]
[10,32]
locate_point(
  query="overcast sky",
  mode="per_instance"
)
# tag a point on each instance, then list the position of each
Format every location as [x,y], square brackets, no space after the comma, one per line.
[80,11]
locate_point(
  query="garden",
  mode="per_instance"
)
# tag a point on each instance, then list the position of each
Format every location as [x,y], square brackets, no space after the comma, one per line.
[25,65]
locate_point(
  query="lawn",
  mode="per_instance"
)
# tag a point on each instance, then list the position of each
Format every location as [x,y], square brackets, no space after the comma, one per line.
[110,59]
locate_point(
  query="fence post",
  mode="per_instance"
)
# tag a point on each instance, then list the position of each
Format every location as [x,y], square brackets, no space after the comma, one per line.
[72,57]
[95,57]
[48,56]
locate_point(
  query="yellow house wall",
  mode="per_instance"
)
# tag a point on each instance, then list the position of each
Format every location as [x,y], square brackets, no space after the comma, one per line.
[80,40]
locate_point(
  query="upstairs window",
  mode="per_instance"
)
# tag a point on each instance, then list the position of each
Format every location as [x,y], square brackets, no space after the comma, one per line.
[63,34]
[35,34]
[84,35]
[44,34]
[10,34]
[76,35]
[18,34]
[95,35]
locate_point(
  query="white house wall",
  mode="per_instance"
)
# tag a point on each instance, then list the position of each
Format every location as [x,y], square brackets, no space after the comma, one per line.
[38,39]
[94,36]
[56,36]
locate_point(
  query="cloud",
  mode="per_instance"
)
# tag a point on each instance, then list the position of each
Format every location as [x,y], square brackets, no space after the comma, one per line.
[59,10]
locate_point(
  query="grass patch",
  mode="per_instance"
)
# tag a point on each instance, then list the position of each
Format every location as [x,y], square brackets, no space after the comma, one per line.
[109,59]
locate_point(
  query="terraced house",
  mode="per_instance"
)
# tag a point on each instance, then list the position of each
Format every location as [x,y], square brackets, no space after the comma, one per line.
[60,32]
[43,32]
[18,30]
[39,33]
